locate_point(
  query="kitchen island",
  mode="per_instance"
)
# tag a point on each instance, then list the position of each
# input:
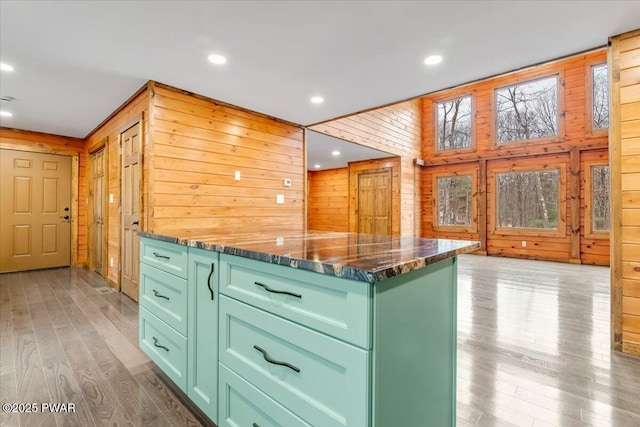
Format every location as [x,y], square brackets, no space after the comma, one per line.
[299,329]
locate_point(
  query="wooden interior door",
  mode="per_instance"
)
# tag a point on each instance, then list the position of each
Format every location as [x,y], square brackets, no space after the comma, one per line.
[131,143]
[35,210]
[374,202]
[97,195]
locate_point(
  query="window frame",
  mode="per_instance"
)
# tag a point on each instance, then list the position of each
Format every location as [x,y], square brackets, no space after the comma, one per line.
[473,227]
[560,135]
[450,97]
[561,231]
[590,132]
[589,232]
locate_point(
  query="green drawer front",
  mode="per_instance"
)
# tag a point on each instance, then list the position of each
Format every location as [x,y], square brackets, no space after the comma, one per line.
[338,307]
[244,405]
[164,295]
[331,386]
[169,257]
[166,347]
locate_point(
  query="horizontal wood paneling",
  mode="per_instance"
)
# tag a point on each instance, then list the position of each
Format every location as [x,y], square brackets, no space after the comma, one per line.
[625,178]
[395,129]
[198,144]
[111,129]
[328,200]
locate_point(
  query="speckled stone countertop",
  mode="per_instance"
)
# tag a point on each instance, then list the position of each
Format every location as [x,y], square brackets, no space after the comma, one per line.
[363,257]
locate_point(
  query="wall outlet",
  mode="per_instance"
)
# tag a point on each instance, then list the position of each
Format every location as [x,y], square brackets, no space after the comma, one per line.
[279,241]
[287,182]
[111,198]
[280,198]
[110,262]
[524,243]
[237,175]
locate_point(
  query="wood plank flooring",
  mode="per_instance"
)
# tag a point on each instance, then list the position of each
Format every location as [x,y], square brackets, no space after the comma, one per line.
[533,350]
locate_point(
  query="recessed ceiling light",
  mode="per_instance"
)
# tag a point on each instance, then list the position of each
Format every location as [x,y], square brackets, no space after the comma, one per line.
[316,166]
[433,60]
[335,153]
[5,67]
[4,113]
[317,100]
[217,59]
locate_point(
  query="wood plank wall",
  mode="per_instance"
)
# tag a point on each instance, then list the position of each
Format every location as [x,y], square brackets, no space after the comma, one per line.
[624,62]
[198,144]
[15,139]
[110,131]
[328,200]
[570,150]
[395,129]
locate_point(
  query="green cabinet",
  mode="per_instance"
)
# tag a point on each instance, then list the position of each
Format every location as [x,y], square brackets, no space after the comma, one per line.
[202,366]
[281,346]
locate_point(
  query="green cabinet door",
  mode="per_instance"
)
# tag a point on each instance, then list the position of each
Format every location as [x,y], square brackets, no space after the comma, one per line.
[202,363]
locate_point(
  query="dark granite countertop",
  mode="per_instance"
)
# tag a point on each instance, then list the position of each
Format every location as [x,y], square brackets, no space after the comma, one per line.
[363,257]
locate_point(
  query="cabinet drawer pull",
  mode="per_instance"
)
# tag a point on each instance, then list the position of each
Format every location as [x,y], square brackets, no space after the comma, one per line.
[274,291]
[213,267]
[157,255]
[155,342]
[275,362]
[159,295]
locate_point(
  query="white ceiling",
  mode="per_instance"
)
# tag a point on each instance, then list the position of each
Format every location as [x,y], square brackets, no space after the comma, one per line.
[77,61]
[320,148]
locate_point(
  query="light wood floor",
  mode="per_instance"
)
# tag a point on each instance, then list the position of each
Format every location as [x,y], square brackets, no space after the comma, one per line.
[533,350]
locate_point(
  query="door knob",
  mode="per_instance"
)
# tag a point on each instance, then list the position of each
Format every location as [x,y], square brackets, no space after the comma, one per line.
[64,217]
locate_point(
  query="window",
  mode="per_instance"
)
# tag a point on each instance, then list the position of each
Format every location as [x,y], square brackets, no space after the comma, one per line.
[454,195]
[528,199]
[599,97]
[454,124]
[597,213]
[527,110]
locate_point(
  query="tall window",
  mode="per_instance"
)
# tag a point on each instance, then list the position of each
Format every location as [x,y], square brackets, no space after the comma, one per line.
[600,97]
[527,110]
[454,124]
[528,199]
[454,196]
[600,219]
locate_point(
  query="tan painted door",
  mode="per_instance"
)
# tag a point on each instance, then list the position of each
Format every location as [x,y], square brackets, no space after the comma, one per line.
[374,202]
[35,210]
[97,196]
[131,143]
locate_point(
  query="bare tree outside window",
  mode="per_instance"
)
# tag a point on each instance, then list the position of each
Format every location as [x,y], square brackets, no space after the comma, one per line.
[600,193]
[454,123]
[600,94]
[528,199]
[454,200]
[527,110]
